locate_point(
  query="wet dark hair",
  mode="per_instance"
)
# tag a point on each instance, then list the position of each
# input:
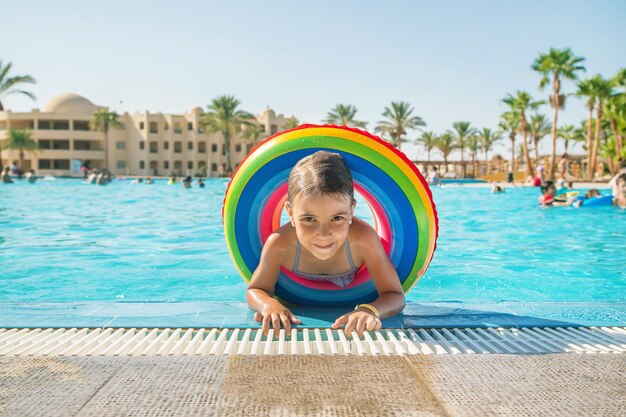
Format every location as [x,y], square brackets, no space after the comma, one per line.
[622,177]
[546,185]
[320,173]
[594,192]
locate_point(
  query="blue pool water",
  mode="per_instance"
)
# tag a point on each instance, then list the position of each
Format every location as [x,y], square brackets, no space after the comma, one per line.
[136,254]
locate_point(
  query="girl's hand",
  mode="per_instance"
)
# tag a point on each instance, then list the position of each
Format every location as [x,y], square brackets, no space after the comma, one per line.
[274,316]
[359,320]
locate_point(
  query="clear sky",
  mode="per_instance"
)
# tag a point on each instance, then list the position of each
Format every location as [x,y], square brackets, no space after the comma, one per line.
[452,60]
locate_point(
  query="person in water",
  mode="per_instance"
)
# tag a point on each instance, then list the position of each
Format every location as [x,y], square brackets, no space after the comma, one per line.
[547,198]
[619,198]
[323,241]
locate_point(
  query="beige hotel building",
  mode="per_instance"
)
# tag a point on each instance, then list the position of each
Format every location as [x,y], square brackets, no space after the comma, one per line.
[146,144]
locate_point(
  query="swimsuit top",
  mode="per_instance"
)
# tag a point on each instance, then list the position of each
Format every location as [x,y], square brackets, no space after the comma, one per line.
[340,280]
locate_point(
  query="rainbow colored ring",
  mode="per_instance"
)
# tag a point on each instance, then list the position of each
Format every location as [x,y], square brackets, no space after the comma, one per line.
[397,194]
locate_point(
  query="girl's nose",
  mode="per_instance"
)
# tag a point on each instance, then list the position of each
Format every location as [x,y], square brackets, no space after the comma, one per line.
[323,230]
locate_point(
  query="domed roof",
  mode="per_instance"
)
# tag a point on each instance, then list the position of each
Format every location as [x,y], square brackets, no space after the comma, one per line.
[268,113]
[70,103]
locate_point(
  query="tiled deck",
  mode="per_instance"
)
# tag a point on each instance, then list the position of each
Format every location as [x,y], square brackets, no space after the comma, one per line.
[414,385]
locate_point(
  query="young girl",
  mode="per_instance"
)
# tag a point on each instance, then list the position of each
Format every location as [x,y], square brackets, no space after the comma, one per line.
[324,242]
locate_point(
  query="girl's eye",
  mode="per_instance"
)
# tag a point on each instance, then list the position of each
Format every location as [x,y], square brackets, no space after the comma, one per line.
[337,218]
[307,219]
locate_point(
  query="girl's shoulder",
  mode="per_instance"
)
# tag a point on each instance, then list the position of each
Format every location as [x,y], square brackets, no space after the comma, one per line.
[362,234]
[282,243]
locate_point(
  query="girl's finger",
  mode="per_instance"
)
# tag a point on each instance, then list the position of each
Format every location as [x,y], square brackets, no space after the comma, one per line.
[371,324]
[294,319]
[360,325]
[286,323]
[258,317]
[352,320]
[275,323]
[340,320]
[266,325]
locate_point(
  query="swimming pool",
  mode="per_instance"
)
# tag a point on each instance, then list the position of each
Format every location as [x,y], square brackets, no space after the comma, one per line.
[73,254]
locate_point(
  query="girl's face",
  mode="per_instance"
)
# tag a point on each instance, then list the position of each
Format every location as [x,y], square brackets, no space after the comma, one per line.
[322,222]
[551,190]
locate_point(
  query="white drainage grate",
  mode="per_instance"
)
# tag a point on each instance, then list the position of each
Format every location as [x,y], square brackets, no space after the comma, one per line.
[203,342]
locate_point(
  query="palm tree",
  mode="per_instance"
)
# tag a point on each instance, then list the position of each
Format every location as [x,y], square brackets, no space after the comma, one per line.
[463,130]
[398,121]
[224,117]
[570,133]
[488,138]
[102,121]
[428,141]
[20,139]
[445,143]
[601,90]
[538,127]
[291,123]
[509,122]
[252,133]
[10,85]
[586,89]
[557,63]
[343,114]
[473,146]
[616,111]
[520,104]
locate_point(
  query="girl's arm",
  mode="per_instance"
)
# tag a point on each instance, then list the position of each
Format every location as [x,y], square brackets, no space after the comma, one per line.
[260,291]
[390,301]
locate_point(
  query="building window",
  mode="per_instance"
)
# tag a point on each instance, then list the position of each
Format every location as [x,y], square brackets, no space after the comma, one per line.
[54,124]
[178,166]
[177,128]
[154,147]
[141,125]
[213,167]
[166,145]
[82,125]
[201,147]
[166,126]
[189,126]
[121,165]
[154,127]
[262,128]
[223,149]
[142,145]
[142,165]
[178,147]
[248,147]
[274,129]
[166,164]
[202,167]
[189,164]
[214,147]
[190,146]
[238,147]
[54,144]
[60,164]
[120,145]
[44,164]
[87,145]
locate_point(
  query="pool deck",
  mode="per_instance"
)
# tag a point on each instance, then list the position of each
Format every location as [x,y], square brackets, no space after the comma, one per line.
[410,385]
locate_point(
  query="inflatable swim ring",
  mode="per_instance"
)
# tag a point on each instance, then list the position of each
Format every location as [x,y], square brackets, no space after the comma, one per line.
[603,201]
[397,194]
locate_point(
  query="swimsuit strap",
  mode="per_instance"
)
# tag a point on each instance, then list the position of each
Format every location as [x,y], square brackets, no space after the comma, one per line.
[296,260]
[349,253]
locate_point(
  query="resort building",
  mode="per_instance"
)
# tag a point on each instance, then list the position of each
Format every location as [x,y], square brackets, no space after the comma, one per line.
[145,144]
